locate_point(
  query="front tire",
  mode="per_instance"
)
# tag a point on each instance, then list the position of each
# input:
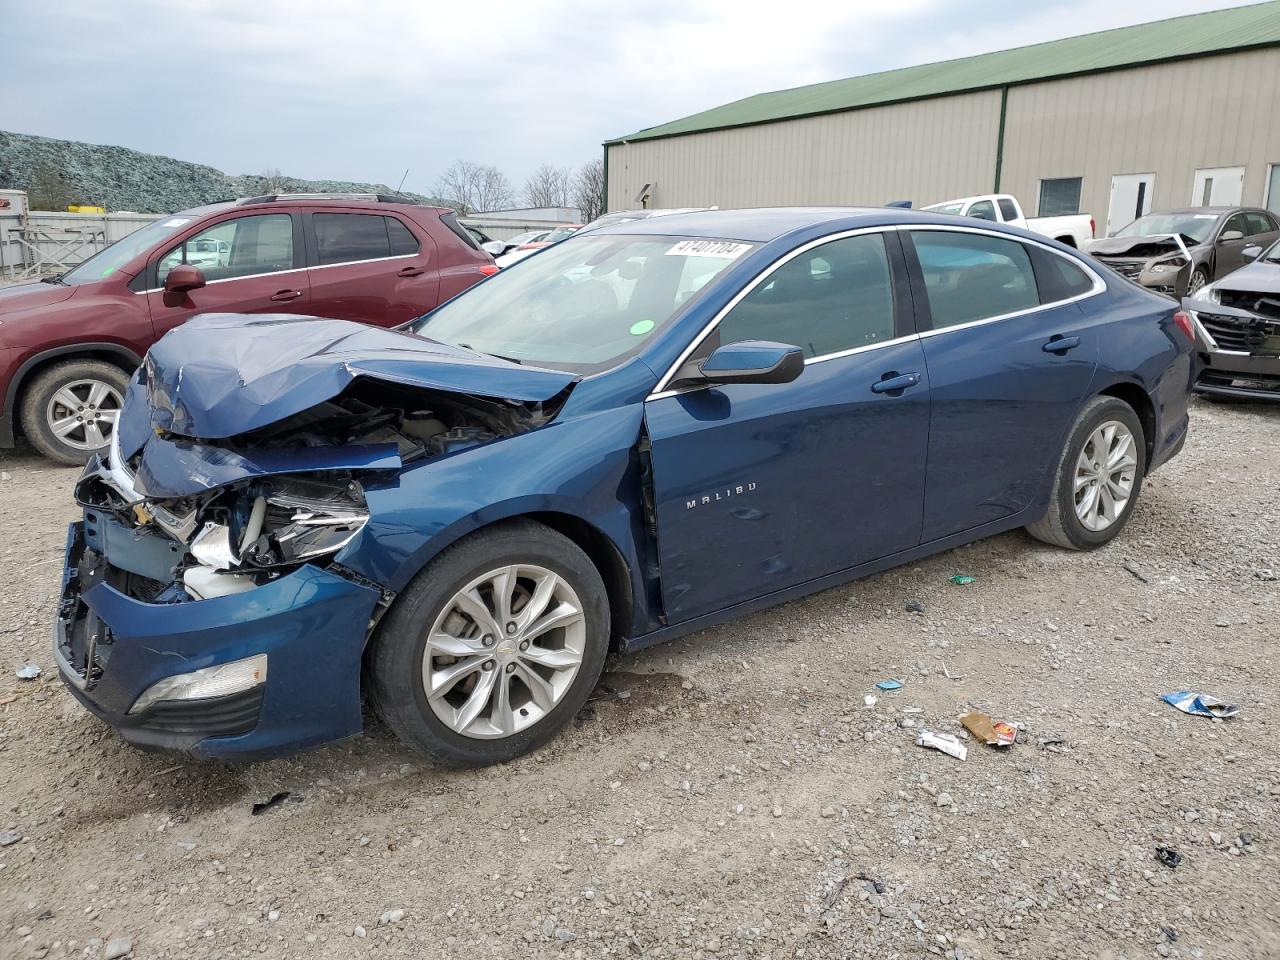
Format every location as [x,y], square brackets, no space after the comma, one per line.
[70,410]
[1098,477]
[493,648]
[1196,282]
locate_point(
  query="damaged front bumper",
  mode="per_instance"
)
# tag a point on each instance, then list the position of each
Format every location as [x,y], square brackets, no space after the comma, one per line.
[1240,350]
[310,626]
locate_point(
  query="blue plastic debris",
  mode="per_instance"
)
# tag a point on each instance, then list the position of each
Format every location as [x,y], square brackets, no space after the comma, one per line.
[1200,704]
[889,685]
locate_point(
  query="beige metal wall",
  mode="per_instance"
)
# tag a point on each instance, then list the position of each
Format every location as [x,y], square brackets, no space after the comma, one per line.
[923,151]
[1168,119]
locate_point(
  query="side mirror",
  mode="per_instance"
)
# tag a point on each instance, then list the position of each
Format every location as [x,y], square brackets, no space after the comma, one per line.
[1228,235]
[494,248]
[182,278]
[1251,253]
[747,361]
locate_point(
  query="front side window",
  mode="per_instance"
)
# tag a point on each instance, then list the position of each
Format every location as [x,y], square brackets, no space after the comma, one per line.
[585,304]
[1237,223]
[972,276]
[1059,197]
[243,247]
[983,210]
[830,298]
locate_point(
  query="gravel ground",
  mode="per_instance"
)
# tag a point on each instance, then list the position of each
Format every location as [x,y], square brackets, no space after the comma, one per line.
[728,795]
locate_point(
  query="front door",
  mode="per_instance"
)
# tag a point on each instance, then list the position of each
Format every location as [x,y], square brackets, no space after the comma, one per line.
[761,487]
[1010,357]
[1130,199]
[1218,187]
[370,267]
[1229,248]
[251,264]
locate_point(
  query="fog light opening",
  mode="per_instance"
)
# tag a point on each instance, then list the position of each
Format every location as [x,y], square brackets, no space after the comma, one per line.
[217,681]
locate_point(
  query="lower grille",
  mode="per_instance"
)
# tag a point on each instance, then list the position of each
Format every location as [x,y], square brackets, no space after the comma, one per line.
[216,717]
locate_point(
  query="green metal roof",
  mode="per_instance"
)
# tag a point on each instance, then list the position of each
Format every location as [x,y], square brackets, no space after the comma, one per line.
[1219,31]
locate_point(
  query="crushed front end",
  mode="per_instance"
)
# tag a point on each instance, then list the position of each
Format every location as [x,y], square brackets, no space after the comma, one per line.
[1238,334]
[205,608]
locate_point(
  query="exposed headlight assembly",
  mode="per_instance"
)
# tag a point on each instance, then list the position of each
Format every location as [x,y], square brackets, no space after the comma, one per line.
[1172,265]
[1209,293]
[218,681]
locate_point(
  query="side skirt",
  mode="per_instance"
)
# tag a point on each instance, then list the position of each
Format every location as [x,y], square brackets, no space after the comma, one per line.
[1032,513]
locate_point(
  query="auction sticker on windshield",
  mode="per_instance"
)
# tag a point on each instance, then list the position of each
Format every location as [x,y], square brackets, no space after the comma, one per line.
[723,249]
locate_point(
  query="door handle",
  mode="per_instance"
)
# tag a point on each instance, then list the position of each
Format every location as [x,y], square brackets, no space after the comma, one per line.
[286,295]
[1060,345]
[412,272]
[893,383]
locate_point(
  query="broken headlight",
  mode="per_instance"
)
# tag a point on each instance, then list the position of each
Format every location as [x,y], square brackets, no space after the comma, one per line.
[1172,265]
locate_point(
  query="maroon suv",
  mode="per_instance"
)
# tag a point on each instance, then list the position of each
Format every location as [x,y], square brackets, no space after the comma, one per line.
[68,344]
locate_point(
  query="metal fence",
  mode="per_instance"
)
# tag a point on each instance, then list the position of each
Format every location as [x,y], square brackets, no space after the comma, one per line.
[46,241]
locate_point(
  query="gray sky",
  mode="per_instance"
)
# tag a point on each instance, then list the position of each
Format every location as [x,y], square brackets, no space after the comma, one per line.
[361,90]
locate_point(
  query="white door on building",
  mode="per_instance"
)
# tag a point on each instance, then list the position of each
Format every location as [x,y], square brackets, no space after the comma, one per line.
[1273,188]
[1218,187]
[1130,199]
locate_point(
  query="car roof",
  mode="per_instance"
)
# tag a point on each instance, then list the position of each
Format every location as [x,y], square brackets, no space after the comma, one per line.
[286,200]
[762,224]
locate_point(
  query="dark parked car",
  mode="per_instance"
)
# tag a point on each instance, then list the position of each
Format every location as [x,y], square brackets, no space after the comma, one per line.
[1237,323]
[641,432]
[1177,253]
[69,343]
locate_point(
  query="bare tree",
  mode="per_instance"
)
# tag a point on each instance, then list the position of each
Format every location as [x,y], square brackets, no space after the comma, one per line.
[48,187]
[549,186]
[273,181]
[588,190]
[474,188]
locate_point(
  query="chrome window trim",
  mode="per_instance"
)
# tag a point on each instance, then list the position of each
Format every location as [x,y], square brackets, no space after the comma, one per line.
[281,273]
[662,389]
[1099,285]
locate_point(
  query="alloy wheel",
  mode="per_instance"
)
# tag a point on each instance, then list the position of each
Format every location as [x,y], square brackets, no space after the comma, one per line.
[1105,471]
[1196,283]
[504,651]
[83,413]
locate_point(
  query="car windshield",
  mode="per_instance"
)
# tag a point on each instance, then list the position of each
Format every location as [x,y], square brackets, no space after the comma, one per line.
[1197,227]
[108,261]
[953,208]
[583,305]
[1272,253]
[559,233]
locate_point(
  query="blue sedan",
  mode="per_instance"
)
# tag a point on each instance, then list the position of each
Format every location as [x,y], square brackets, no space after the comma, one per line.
[643,431]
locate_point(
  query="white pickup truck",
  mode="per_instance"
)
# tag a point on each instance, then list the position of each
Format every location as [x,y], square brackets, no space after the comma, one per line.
[1075,230]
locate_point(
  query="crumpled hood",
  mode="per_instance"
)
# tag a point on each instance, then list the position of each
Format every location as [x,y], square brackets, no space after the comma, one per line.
[1135,247]
[1257,277]
[220,375]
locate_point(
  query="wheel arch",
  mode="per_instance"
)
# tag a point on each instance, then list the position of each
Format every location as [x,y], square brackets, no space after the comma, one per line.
[33,366]
[1140,402]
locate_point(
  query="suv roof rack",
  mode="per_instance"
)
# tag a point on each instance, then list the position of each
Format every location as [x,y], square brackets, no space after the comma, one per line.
[273,197]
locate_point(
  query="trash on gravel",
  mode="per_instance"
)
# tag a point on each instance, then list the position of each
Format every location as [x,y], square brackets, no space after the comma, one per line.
[890,685]
[1133,568]
[915,606]
[869,700]
[10,837]
[275,801]
[963,580]
[1053,743]
[27,672]
[115,949]
[999,733]
[1170,858]
[1200,704]
[942,741]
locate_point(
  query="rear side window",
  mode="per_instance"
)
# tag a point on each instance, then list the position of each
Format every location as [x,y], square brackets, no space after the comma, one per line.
[1057,277]
[450,220]
[971,276]
[350,237]
[403,242]
[1007,210]
[1259,223]
[983,210]
[834,297]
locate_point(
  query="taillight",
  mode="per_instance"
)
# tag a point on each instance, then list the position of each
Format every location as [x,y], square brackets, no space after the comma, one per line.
[1182,320]
[1093,227]
[489,269]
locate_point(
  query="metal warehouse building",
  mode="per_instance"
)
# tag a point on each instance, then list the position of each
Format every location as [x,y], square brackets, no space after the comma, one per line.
[1175,113]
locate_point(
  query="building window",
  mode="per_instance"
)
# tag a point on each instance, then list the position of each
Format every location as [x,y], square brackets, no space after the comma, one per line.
[1060,197]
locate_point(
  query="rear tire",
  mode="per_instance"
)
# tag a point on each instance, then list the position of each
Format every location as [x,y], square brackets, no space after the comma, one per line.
[538,679]
[69,410]
[1085,511]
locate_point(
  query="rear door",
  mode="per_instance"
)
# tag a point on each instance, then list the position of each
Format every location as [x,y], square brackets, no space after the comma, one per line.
[371,267]
[252,263]
[1010,357]
[759,487]
[1263,229]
